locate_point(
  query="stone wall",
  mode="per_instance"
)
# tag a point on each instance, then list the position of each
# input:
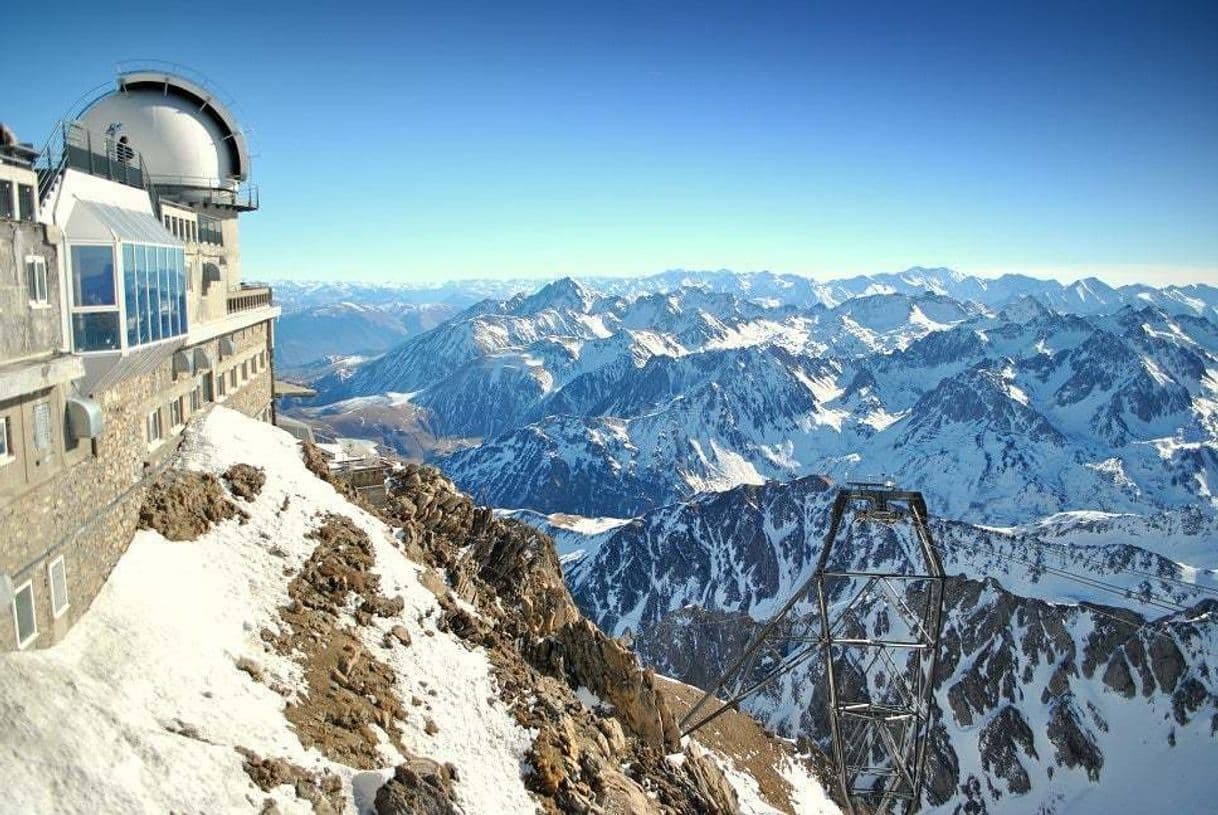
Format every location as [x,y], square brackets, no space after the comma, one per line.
[26,330]
[87,511]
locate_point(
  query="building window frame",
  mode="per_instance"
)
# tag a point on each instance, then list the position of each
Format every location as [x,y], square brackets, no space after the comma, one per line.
[25,588]
[154,428]
[27,203]
[44,429]
[6,441]
[36,280]
[59,593]
[176,419]
[8,199]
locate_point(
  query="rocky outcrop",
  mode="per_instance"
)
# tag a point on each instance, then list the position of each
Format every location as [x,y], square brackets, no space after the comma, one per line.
[321,788]
[500,586]
[245,481]
[183,505]
[418,787]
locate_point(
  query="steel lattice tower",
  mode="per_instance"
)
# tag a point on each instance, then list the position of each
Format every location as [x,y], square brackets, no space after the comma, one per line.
[877,635]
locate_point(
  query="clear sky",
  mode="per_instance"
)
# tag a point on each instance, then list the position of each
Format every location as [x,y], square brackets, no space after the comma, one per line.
[430,141]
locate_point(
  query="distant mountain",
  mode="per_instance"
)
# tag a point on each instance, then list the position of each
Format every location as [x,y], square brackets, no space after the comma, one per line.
[1086,296]
[344,328]
[679,435]
[611,405]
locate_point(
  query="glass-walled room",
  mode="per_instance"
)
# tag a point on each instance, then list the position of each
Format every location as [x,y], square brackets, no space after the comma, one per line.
[152,305]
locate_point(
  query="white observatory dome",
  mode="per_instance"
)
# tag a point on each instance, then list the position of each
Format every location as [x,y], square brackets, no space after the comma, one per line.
[186,137]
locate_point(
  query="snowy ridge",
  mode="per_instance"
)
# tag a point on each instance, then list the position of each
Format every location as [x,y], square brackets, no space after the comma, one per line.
[1000,417]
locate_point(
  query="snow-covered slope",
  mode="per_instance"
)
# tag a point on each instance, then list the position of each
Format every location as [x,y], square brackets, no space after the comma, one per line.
[1000,417]
[143,706]
[308,656]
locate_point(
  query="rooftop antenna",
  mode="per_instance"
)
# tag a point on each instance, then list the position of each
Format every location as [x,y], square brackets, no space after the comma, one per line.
[879,684]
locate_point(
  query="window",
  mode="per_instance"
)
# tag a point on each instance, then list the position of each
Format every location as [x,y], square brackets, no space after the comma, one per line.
[221,387]
[245,371]
[154,292]
[6,199]
[57,576]
[42,426]
[196,399]
[232,377]
[94,305]
[209,231]
[6,441]
[93,276]
[36,277]
[25,202]
[155,431]
[23,614]
[175,412]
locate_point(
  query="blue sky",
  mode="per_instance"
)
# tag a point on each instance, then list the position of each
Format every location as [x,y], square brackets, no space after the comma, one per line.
[431,141]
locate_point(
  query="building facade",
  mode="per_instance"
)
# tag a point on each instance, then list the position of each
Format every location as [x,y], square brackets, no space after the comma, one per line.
[123,314]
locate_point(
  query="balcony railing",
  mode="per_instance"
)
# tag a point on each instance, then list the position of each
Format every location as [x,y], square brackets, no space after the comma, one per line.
[248,297]
[99,154]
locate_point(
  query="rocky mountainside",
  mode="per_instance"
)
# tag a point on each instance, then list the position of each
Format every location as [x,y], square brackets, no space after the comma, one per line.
[1046,705]
[268,645]
[679,436]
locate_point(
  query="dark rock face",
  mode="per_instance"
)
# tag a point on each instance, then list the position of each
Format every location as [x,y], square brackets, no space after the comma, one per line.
[419,787]
[1001,742]
[1117,677]
[1075,747]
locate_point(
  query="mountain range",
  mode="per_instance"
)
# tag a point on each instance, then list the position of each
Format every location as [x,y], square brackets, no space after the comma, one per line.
[606,405]
[680,437]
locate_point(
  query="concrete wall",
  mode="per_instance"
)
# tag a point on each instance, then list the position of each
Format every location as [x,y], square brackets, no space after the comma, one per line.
[86,510]
[27,330]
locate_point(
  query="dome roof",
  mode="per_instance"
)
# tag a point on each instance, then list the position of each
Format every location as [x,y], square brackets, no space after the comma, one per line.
[186,136]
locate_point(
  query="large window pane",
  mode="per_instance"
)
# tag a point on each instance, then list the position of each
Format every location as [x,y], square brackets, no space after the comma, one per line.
[141,265]
[174,328]
[154,295]
[162,264]
[96,331]
[131,288]
[180,265]
[93,276]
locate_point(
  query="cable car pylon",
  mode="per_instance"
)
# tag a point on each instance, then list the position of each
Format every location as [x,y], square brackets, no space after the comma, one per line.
[876,633]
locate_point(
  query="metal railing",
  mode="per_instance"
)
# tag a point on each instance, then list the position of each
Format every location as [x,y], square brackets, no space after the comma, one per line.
[242,196]
[73,146]
[249,296]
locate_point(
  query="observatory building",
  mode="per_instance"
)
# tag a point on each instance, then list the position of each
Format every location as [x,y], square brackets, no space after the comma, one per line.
[123,313]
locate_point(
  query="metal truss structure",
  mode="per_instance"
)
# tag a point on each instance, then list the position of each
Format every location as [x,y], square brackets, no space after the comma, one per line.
[876,634]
